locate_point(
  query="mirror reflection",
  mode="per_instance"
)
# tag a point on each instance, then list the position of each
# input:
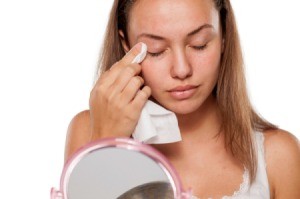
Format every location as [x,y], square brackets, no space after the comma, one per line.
[118,173]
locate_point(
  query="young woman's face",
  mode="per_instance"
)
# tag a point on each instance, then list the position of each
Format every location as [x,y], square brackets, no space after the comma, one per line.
[184,42]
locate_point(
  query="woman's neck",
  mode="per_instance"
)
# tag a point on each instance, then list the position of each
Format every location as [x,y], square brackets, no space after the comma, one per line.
[200,129]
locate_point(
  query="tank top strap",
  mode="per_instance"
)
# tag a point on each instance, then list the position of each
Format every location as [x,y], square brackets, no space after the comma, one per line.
[260,186]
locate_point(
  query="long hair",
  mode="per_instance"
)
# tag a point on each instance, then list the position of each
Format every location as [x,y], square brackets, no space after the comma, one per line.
[239,119]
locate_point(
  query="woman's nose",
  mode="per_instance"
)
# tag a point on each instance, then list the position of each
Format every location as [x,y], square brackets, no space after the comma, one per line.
[181,67]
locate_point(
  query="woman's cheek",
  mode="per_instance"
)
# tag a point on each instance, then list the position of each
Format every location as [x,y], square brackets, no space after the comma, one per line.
[153,73]
[212,68]
[207,63]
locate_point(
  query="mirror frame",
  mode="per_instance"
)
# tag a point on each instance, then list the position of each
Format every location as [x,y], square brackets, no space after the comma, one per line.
[124,143]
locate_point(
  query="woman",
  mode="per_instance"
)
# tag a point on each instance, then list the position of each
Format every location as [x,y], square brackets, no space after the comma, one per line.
[194,68]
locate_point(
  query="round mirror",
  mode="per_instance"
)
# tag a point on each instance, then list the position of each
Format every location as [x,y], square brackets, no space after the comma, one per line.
[118,169]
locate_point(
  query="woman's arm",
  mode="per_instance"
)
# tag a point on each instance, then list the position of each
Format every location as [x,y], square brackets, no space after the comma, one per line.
[283,164]
[79,133]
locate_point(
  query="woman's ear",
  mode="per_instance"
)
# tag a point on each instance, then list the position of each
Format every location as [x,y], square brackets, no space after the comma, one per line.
[123,41]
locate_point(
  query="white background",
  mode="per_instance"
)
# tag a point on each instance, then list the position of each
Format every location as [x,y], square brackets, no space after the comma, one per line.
[48,54]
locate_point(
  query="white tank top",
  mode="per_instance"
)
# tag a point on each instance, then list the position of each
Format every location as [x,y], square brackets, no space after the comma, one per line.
[259,189]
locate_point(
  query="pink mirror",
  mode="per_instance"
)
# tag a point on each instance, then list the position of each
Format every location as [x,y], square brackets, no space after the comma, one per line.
[119,168]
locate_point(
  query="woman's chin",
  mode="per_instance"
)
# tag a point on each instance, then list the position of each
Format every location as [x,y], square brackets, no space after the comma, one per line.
[184,111]
[190,106]
[183,108]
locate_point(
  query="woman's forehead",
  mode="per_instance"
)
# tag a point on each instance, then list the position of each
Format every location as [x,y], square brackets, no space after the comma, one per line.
[171,10]
[171,16]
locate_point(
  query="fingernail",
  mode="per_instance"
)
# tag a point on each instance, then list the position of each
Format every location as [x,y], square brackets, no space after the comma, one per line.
[143,52]
[138,45]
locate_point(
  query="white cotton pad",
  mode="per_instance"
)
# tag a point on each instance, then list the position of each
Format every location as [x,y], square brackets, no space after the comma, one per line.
[141,56]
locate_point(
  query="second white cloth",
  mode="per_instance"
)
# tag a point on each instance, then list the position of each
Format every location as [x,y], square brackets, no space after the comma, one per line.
[157,125]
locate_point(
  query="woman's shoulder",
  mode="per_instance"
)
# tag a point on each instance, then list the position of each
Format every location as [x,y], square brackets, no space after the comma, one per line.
[78,133]
[280,138]
[81,119]
[280,143]
[282,150]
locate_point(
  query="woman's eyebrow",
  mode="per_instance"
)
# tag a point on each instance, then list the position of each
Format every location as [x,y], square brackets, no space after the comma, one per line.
[197,30]
[151,36]
[157,37]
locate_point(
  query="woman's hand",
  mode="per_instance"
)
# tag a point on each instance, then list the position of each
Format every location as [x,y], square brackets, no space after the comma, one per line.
[117,99]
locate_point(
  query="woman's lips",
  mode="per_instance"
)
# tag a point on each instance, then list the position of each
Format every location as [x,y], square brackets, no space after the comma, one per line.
[183,92]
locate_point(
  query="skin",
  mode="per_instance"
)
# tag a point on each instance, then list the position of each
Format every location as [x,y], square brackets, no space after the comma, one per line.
[186,59]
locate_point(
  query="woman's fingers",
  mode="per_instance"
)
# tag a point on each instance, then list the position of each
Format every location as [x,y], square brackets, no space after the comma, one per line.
[125,77]
[141,97]
[123,74]
[131,89]
[129,57]
[111,75]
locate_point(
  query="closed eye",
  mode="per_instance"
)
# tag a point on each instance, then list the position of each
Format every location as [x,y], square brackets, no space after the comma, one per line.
[160,53]
[155,54]
[200,47]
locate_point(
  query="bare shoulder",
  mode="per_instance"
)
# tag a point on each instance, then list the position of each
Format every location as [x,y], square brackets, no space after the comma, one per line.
[78,133]
[283,163]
